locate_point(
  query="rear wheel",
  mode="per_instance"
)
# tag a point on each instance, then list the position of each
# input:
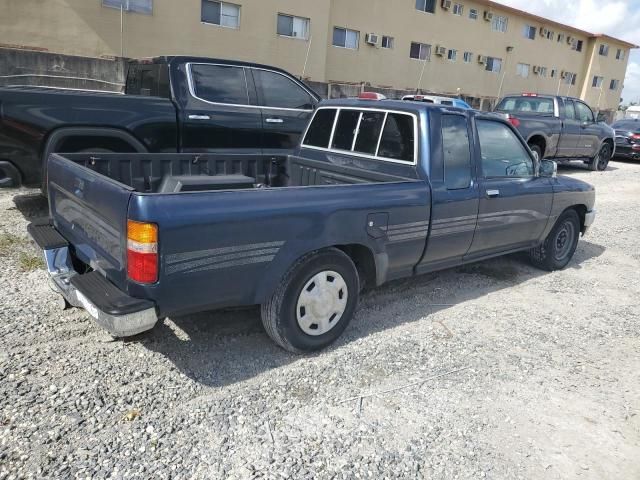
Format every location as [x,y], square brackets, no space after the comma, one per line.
[314,302]
[558,248]
[601,160]
[536,150]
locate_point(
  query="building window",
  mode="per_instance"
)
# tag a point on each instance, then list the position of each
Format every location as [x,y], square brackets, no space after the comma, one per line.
[221,13]
[620,54]
[499,23]
[137,6]
[493,64]
[473,14]
[604,49]
[554,72]
[550,35]
[561,37]
[387,42]
[345,38]
[529,32]
[468,57]
[569,78]
[578,46]
[452,55]
[614,85]
[420,51]
[458,9]
[290,26]
[428,6]
[522,70]
[542,71]
[597,81]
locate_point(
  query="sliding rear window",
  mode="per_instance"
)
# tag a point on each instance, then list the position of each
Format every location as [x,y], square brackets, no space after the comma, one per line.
[540,105]
[373,133]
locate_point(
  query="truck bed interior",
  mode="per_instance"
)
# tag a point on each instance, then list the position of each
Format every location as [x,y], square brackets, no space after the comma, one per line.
[174,173]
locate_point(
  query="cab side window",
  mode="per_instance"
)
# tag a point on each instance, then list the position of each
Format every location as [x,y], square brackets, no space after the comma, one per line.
[456,152]
[220,84]
[503,154]
[584,113]
[281,92]
[569,110]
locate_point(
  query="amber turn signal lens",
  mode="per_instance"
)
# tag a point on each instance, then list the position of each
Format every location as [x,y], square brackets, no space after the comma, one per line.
[142,232]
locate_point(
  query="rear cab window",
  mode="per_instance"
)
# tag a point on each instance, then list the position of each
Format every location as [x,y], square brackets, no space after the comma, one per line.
[539,105]
[379,134]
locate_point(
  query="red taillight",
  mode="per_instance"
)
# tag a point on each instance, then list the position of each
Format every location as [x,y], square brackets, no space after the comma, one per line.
[513,121]
[529,94]
[142,252]
[635,136]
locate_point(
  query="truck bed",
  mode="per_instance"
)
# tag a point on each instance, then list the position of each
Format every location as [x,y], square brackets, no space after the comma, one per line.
[174,173]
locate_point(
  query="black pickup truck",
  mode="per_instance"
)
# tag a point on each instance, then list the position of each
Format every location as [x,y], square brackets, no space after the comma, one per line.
[561,128]
[377,190]
[171,104]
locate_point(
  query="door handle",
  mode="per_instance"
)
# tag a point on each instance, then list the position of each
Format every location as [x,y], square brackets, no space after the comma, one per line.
[493,193]
[274,120]
[199,117]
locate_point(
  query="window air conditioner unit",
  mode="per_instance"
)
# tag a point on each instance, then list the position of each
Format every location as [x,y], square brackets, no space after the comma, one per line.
[482,59]
[488,16]
[544,32]
[536,69]
[570,40]
[372,39]
[440,50]
[564,75]
[446,4]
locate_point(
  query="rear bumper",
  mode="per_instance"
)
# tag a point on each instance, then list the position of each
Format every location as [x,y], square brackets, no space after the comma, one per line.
[589,218]
[115,311]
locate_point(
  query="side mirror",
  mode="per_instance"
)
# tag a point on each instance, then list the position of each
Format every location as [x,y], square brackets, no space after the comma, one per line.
[548,168]
[601,118]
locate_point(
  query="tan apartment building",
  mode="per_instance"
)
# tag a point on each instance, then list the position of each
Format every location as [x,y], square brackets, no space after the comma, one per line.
[472,48]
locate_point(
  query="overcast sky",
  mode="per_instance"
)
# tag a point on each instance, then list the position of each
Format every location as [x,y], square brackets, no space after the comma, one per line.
[618,18]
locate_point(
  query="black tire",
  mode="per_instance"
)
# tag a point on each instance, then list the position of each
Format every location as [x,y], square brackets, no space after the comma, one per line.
[600,162]
[558,248]
[279,315]
[537,150]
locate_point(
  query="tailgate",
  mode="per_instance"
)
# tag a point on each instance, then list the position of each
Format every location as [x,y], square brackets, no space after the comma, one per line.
[90,211]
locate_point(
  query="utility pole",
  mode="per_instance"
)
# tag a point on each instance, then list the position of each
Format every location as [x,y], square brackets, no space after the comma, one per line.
[122,28]
[504,73]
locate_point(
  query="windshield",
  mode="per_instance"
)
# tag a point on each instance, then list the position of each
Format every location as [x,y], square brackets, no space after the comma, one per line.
[542,106]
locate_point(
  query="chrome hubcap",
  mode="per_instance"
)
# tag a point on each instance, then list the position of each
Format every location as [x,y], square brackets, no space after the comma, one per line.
[321,303]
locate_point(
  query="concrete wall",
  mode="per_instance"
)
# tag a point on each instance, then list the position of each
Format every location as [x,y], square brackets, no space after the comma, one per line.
[19,67]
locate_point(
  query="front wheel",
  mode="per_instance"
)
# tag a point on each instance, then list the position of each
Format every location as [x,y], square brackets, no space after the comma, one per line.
[601,160]
[558,248]
[314,302]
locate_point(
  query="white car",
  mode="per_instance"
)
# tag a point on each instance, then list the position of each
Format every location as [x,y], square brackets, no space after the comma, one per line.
[454,102]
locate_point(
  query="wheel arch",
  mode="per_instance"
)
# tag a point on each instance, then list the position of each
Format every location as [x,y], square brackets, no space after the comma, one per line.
[540,140]
[371,266]
[102,135]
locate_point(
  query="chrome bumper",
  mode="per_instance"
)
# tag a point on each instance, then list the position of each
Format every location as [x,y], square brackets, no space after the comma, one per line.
[589,218]
[61,271]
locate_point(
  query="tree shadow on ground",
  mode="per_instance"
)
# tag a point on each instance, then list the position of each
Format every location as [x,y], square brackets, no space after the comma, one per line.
[224,347]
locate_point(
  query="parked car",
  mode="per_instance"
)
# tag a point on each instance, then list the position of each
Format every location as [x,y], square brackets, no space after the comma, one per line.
[561,128]
[453,102]
[171,104]
[627,138]
[377,190]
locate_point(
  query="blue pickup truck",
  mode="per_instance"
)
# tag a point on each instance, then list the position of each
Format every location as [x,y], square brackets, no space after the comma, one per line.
[376,190]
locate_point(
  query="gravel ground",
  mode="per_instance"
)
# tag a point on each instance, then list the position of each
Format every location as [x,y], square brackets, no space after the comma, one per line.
[494,370]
